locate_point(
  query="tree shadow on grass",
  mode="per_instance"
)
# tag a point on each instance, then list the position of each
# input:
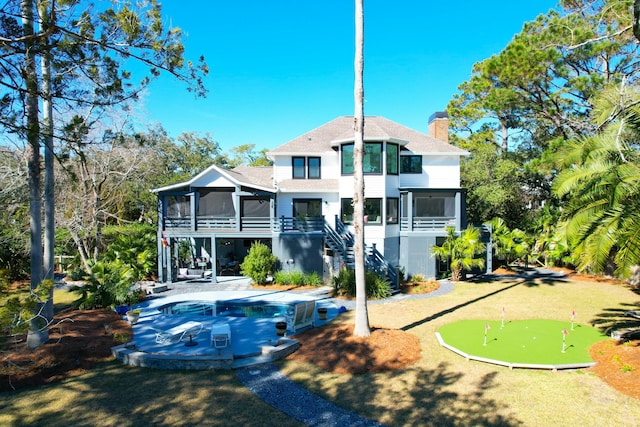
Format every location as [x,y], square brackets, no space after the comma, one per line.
[423,397]
[457,307]
[115,394]
[529,276]
[612,319]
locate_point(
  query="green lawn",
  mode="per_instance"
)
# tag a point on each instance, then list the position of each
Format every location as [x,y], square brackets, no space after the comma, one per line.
[440,389]
[532,341]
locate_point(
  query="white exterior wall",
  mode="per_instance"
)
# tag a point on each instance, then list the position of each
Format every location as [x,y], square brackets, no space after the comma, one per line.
[282,168]
[213,181]
[443,171]
[329,165]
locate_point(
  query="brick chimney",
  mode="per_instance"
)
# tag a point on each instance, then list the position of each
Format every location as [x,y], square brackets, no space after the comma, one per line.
[439,126]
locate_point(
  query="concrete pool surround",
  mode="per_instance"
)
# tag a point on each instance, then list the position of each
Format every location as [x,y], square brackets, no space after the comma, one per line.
[252,339]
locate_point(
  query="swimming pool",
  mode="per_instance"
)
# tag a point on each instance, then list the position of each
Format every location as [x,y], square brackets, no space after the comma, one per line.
[256,309]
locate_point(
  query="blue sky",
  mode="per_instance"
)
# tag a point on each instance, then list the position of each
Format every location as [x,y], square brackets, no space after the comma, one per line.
[280,68]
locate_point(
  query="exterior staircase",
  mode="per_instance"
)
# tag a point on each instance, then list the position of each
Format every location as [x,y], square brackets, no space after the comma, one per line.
[340,240]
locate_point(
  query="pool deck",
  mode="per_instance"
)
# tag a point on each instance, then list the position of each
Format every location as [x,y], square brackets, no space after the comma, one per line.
[253,340]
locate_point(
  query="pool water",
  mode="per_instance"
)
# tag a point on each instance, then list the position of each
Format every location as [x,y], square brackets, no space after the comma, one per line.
[250,309]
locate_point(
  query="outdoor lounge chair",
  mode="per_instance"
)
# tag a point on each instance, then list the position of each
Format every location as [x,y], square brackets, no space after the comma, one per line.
[178,333]
[303,316]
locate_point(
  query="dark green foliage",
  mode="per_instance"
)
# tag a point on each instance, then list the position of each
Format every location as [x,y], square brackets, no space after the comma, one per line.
[297,278]
[258,263]
[377,287]
[134,245]
[463,252]
[109,284]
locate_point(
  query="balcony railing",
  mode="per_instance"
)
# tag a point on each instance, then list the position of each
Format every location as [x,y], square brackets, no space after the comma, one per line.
[422,223]
[281,224]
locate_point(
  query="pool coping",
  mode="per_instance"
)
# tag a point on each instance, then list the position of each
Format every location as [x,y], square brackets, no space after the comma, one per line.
[129,355]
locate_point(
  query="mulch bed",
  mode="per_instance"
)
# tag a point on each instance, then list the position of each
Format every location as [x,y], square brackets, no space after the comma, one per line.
[81,339]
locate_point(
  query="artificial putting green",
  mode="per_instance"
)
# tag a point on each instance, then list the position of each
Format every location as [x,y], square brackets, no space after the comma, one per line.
[535,341]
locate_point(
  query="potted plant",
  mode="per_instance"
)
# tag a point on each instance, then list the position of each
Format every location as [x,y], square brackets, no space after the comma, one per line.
[133,315]
[281,328]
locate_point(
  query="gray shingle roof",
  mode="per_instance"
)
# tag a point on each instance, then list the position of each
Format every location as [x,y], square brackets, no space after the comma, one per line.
[376,128]
[253,175]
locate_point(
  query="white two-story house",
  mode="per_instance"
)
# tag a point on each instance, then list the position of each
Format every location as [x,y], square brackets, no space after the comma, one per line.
[301,206]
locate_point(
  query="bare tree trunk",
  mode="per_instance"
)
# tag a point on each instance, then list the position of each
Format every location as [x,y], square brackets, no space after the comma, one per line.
[49,208]
[361,328]
[35,339]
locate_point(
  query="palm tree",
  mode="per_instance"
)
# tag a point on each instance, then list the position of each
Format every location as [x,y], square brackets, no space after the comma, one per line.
[600,181]
[464,252]
[509,244]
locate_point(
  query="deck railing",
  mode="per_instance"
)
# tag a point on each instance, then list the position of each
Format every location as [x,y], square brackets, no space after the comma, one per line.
[281,224]
[426,223]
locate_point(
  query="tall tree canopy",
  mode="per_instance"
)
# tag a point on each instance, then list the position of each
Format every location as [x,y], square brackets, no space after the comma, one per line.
[537,92]
[70,56]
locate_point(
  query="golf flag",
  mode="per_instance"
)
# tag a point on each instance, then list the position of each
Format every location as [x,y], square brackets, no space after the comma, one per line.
[564,331]
[165,242]
[486,326]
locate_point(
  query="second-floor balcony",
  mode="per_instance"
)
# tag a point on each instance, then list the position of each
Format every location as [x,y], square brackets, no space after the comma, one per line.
[232,224]
[424,223]
[288,224]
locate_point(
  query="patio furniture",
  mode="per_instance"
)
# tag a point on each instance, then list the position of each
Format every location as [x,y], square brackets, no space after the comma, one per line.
[303,316]
[178,333]
[220,336]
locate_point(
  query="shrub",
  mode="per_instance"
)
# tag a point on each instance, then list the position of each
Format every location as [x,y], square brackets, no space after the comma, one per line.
[108,285]
[416,278]
[258,263]
[313,279]
[297,278]
[377,287]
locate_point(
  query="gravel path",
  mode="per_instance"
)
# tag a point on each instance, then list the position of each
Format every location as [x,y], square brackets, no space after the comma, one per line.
[273,387]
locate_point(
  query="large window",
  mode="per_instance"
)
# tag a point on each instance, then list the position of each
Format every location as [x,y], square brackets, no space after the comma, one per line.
[306,167]
[410,164]
[372,211]
[314,168]
[392,159]
[347,159]
[307,207]
[298,164]
[392,210]
[346,210]
[371,159]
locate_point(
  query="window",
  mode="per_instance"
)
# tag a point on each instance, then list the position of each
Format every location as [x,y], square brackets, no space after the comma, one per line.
[371,159]
[410,164]
[314,168]
[346,209]
[373,211]
[347,159]
[392,210]
[307,207]
[392,159]
[298,164]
